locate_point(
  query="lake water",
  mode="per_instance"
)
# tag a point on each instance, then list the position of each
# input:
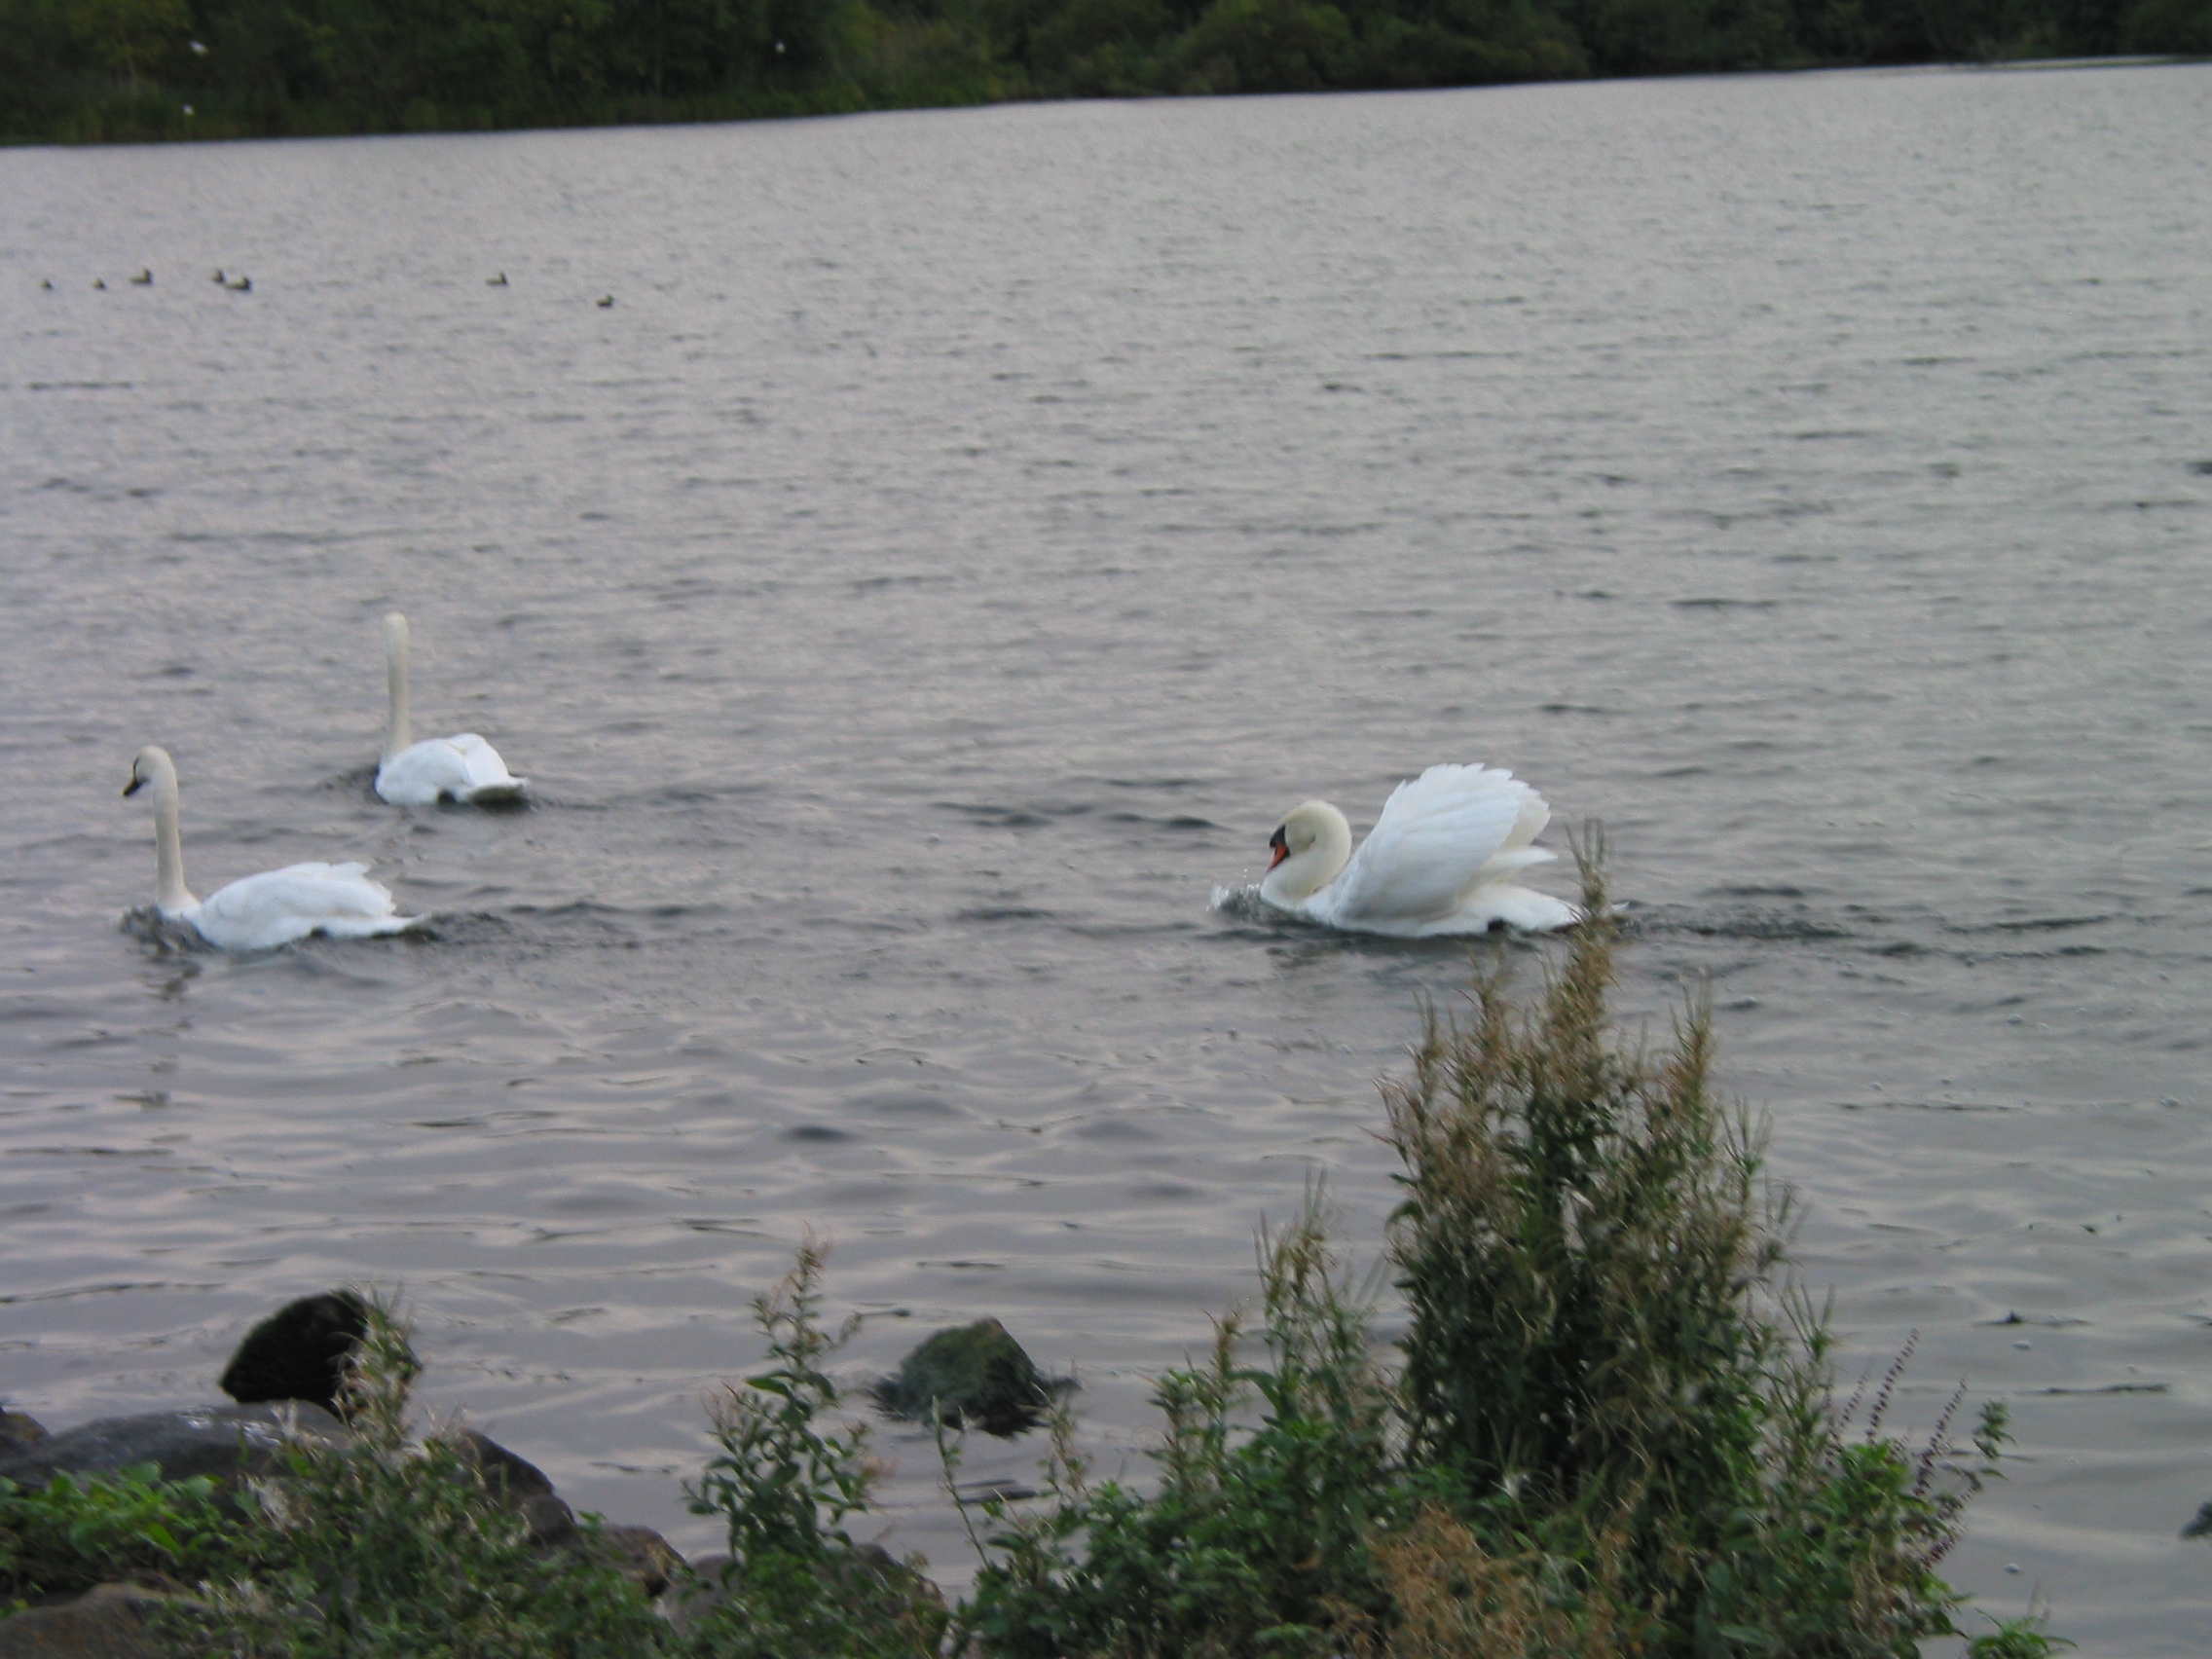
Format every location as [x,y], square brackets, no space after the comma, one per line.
[961,539]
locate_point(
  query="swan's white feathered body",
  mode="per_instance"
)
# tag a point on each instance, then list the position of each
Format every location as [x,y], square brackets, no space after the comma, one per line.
[258,913]
[463,767]
[1438,861]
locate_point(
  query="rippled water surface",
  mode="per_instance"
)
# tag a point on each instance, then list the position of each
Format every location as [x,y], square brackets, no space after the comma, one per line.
[962,536]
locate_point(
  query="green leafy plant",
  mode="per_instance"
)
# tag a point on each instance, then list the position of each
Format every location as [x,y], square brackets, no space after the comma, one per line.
[388,1546]
[78,1531]
[784,1481]
[1271,1478]
[1612,1432]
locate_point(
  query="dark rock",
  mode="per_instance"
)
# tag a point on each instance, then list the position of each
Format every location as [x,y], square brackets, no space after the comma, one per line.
[549,1519]
[696,1592]
[17,1429]
[870,1575]
[108,1621]
[223,1442]
[504,1474]
[518,1484]
[299,1353]
[640,1554]
[971,1374]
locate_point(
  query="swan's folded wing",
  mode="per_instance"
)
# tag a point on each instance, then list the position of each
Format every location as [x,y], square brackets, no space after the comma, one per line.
[487,775]
[422,772]
[480,763]
[260,912]
[292,903]
[1436,834]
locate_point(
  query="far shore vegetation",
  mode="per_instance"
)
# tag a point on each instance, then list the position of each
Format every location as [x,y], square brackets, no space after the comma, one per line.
[86,71]
[1608,1430]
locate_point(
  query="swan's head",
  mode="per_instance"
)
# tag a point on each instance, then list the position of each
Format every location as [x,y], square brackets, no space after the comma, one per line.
[151,765]
[394,631]
[1312,844]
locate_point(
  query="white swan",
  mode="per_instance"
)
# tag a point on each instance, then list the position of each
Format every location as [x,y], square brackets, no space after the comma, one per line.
[463,767]
[1435,862]
[258,911]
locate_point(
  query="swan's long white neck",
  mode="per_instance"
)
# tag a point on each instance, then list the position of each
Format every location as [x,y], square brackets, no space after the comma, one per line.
[398,728]
[1316,844]
[170,894]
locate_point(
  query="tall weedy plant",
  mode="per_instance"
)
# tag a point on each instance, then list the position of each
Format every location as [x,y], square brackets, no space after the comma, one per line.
[1619,1410]
[1611,1435]
[786,1479]
[1583,1244]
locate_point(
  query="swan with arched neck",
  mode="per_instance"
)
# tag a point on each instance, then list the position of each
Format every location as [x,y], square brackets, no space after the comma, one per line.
[1439,860]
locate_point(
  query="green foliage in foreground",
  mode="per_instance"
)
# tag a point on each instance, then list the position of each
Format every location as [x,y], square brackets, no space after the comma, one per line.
[390,1548]
[1611,1433]
[79,1530]
[796,1582]
[1608,1434]
[383,1549]
[93,70]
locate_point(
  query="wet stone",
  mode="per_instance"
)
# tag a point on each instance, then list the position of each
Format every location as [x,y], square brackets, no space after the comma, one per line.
[106,1622]
[299,1353]
[221,1442]
[974,1373]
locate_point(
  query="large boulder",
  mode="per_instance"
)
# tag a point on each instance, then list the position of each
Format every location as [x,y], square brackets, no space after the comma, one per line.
[639,1553]
[222,1442]
[518,1484]
[869,1575]
[108,1621]
[299,1353]
[974,1373]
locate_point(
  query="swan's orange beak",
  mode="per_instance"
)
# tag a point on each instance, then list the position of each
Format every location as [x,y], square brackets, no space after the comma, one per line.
[1282,846]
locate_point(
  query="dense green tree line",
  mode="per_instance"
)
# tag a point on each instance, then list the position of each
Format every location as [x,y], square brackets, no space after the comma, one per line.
[92,69]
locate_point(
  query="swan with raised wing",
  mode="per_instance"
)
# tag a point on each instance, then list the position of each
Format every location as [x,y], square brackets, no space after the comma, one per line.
[1438,861]
[257,912]
[462,767]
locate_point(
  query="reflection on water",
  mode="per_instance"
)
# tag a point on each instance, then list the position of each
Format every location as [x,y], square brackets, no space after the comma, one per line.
[936,575]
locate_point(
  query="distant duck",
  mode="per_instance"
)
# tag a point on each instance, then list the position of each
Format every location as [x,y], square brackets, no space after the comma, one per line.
[219,277]
[605,300]
[1437,860]
[499,281]
[144,278]
[258,913]
[243,285]
[100,283]
[46,282]
[463,767]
